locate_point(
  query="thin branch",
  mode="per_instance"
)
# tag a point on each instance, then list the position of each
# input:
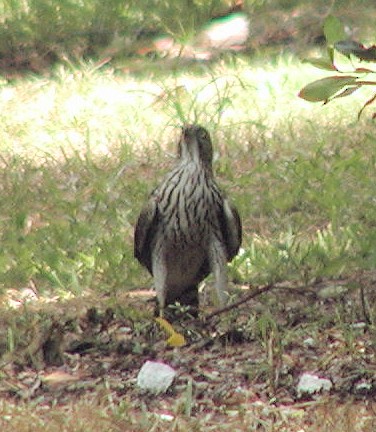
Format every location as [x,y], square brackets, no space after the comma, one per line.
[301,290]
[365,309]
[254,293]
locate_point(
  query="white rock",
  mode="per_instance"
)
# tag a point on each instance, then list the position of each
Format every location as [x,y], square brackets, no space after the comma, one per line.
[155,377]
[359,325]
[166,417]
[363,387]
[309,342]
[309,384]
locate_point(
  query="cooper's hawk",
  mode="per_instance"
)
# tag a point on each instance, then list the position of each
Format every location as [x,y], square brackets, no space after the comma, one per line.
[188,228]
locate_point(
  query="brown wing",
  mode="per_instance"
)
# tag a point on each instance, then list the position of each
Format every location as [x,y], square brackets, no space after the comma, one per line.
[231,228]
[144,233]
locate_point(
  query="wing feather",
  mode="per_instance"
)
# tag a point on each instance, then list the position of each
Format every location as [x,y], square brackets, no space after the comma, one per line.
[231,229]
[145,230]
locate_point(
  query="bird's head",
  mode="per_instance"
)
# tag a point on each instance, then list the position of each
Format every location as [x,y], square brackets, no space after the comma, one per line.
[195,145]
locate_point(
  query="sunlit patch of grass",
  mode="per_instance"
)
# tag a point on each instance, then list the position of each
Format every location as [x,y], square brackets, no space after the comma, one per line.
[81,107]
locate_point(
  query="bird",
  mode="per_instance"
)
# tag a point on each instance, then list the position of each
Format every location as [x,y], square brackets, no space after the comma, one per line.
[188,228]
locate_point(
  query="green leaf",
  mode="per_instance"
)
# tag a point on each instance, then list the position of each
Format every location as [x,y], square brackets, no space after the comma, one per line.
[323,89]
[347,92]
[334,30]
[321,63]
[347,47]
[357,49]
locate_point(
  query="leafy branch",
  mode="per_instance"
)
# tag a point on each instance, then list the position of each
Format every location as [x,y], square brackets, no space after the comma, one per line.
[337,86]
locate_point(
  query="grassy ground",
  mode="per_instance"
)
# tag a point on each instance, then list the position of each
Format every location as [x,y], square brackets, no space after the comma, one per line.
[74,146]
[81,149]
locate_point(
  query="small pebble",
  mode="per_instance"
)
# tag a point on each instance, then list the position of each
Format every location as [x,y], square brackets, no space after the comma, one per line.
[309,384]
[309,342]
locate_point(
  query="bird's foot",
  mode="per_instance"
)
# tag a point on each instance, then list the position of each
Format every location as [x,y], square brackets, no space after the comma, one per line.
[175,339]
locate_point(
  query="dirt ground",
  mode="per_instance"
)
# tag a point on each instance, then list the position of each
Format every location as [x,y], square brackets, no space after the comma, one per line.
[244,361]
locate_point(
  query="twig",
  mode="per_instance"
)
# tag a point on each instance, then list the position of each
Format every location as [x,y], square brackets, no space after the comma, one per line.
[365,309]
[255,292]
[301,290]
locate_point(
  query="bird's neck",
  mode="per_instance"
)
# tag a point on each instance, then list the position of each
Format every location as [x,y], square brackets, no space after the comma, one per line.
[197,164]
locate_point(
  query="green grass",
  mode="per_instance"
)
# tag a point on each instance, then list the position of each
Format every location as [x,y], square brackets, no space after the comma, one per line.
[81,151]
